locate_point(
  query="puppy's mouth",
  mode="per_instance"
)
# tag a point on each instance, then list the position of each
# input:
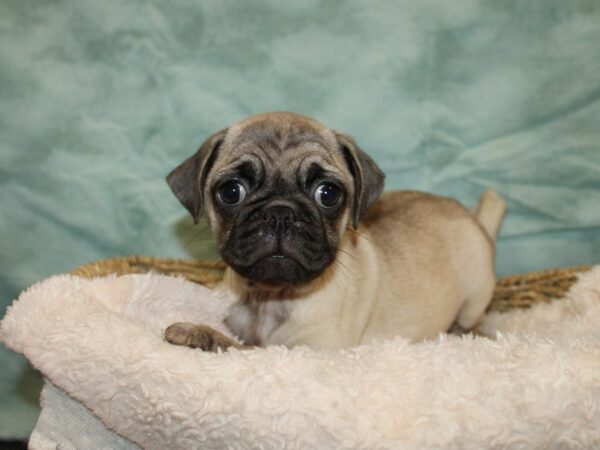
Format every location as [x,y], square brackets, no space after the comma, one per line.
[276,269]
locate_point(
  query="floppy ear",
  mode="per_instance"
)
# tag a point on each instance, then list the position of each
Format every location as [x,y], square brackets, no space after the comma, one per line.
[187,180]
[368,177]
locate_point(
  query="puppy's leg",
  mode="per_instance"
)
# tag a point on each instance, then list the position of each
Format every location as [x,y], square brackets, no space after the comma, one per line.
[472,313]
[457,330]
[199,336]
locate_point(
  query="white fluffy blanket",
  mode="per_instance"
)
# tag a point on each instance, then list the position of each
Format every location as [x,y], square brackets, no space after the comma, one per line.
[536,385]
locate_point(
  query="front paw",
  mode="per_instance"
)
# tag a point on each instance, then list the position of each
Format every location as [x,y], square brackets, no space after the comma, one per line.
[198,336]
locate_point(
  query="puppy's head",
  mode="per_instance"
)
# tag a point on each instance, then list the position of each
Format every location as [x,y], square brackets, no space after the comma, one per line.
[279,189]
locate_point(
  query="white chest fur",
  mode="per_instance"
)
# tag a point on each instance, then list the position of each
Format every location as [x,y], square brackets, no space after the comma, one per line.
[254,321]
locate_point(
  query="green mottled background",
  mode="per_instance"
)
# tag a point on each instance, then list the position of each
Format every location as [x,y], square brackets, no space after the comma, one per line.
[99,99]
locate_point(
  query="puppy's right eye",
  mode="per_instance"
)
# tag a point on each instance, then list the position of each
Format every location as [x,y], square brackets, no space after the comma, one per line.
[231,193]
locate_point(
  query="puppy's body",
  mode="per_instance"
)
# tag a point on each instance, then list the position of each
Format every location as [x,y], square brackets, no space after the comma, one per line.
[317,255]
[417,264]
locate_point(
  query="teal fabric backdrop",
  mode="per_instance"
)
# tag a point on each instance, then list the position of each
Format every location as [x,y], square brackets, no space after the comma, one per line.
[100,99]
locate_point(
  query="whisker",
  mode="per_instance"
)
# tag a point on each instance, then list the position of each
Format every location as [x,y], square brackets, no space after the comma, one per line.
[345,252]
[194,238]
[344,268]
[361,235]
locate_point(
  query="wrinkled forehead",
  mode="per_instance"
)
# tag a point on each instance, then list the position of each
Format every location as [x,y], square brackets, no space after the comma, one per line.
[291,149]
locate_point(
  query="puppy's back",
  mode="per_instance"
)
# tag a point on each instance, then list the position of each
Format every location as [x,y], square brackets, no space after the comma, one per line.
[435,258]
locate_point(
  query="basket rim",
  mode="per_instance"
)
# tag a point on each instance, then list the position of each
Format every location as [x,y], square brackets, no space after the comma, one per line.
[218,264]
[544,273]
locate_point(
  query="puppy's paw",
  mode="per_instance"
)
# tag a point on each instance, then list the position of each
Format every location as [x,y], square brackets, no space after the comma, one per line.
[457,330]
[198,336]
[179,333]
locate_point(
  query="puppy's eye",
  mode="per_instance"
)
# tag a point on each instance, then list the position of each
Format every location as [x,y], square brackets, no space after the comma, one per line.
[328,195]
[231,193]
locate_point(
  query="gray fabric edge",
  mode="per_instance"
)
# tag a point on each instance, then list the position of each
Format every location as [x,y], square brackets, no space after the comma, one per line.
[67,424]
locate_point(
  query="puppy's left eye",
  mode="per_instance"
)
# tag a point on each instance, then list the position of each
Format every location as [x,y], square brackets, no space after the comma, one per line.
[328,195]
[231,193]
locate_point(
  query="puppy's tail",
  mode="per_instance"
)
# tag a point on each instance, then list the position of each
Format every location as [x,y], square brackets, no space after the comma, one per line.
[490,211]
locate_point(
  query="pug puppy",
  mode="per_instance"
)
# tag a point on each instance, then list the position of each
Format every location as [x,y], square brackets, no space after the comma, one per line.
[317,255]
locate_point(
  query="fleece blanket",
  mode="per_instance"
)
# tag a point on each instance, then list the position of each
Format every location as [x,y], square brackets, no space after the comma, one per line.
[534,384]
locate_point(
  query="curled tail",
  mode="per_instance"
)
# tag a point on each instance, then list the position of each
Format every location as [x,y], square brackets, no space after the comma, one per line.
[490,211]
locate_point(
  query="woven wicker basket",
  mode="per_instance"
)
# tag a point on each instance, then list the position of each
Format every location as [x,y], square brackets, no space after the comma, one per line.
[518,291]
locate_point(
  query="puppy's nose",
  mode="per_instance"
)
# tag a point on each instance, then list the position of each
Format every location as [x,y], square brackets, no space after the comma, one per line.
[279,218]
